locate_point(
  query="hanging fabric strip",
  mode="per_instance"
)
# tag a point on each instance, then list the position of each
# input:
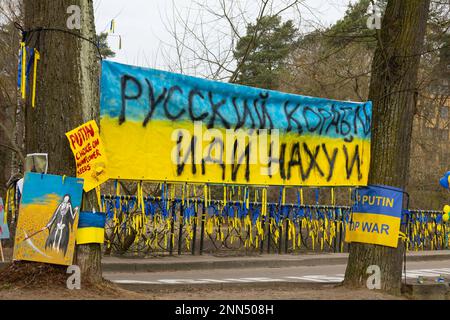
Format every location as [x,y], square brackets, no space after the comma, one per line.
[187,195]
[264,202]
[171,195]
[37,57]
[224,195]
[280,195]
[13,200]
[117,200]
[23,49]
[99,200]
[247,198]
[183,191]
[209,195]
[194,188]
[141,197]
[6,207]
[205,194]
[332,197]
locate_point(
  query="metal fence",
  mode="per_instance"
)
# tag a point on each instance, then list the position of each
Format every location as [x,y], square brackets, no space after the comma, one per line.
[176,226]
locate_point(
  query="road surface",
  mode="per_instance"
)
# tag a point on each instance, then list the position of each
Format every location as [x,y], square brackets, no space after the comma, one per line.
[313,274]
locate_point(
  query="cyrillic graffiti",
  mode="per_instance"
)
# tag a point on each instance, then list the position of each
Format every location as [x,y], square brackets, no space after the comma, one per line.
[149,118]
[251,113]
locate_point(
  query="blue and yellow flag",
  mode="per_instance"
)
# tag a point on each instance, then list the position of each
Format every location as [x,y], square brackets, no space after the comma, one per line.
[91,227]
[164,126]
[4,230]
[376,216]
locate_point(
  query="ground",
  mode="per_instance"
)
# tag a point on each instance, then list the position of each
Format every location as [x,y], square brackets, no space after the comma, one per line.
[324,292]
[314,292]
[66,294]
[26,280]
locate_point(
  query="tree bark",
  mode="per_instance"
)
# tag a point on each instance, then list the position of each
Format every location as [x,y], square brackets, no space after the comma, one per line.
[393,92]
[89,256]
[67,95]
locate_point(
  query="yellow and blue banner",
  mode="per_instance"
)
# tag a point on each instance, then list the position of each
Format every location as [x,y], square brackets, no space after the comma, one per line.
[376,216]
[91,227]
[4,230]
[163,126]
[48,218]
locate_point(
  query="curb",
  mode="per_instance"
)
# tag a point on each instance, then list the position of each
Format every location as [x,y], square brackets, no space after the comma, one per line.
[242,264]
[155,288]
[431,257]
[435,291]
[226,264]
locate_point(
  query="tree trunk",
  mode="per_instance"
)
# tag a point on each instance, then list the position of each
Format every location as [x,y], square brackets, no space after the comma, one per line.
[393,93]
[67,95]
[89,256]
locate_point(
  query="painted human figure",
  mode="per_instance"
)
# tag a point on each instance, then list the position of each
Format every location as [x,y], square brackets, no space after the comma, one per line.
[59,233]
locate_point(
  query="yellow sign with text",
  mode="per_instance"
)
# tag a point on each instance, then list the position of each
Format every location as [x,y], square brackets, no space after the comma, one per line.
[89,153]
[373,228]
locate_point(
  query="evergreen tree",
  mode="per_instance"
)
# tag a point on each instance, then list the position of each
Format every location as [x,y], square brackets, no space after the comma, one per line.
[261,53]
[105,50]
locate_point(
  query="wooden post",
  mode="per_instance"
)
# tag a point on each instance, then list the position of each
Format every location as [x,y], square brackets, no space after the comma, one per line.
[180,229]
[172,226]
[194,236]
[202,228]
[1,251]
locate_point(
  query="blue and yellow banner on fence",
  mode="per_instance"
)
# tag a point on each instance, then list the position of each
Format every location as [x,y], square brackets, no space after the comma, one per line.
[164,126]
[91,227]
[376,216]
[4,230]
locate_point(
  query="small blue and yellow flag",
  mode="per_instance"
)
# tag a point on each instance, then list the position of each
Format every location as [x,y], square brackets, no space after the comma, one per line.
[376,216]
[91,227]
[112,27]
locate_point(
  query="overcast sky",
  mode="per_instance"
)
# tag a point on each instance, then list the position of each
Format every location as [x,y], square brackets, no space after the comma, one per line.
[145,38]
